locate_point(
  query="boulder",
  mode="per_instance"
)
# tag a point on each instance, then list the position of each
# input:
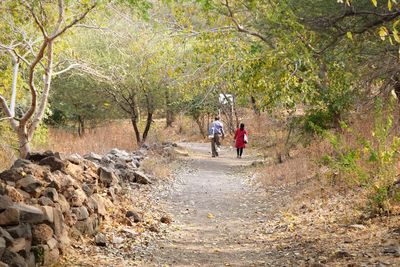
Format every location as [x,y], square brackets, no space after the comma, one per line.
[29,184]
[12,174]
[96,203]
[88,226]
[63,203]
[77,198]
[13,259]
[134,215]
[58,223]
[52,243]
[5,202]
[51,193]
[80,212]
[74,170]
[107,177]
[100,240]
[54,163]
[48,214]
[29,214]
[9,216]
[45,201]
[21,163]
[20,245]
[37,156]
[141,178]
[22,230]
[2,246]
[92,157]
[41,233]
[6,235]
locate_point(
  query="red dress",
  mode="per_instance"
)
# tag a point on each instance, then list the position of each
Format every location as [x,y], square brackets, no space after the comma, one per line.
[239,138]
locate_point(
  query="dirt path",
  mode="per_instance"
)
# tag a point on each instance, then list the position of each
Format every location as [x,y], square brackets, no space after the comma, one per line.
[217,215]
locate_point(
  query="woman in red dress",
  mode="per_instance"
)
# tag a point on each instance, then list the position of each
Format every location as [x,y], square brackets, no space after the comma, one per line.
[240,140]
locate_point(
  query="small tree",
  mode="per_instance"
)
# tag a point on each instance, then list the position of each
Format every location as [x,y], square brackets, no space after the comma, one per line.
[37,54]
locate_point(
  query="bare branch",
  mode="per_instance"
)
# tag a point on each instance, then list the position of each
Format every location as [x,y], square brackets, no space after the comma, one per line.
[75,21]
[72,66]
[240,28]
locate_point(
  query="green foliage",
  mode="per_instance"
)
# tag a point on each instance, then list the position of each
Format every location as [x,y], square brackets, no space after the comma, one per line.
[370,163]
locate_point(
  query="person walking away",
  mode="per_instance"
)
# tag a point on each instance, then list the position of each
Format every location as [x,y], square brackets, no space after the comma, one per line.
[218,133]
[241,138]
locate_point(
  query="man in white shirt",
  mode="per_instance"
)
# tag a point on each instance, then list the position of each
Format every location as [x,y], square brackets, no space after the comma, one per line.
[218,132]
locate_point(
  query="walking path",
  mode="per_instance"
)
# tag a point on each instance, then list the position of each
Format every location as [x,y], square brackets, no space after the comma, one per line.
[217,215]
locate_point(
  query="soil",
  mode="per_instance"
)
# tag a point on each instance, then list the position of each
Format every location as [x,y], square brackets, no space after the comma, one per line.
[222,216]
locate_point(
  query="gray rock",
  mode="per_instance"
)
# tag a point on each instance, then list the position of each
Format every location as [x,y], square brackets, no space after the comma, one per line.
[134,215]
[48,214]
[117,240]
[392,249]
[77,198]
[36,156]
[97,203]
[92,157]
[13,259]
[9,217]
[45,201]
[5,202]
[141,178]
[2,264]
[58,223]
[29,214]
[23,230]
[2,246]
[81,213]
[12,174]
[100,240]
[52,243]
[87,226]
[29,184]
[51,193]
[107,177]
[64,205]
[54,163]
[7,236]
[20,244]
[21,163]
[89,189]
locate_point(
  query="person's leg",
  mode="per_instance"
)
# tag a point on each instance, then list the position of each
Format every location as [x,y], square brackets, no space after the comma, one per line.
[241,152]
[238,152]
[217,142]
[213,148]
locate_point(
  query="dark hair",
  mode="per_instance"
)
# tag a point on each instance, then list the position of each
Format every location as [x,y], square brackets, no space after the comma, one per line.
[216,118]
[242,126]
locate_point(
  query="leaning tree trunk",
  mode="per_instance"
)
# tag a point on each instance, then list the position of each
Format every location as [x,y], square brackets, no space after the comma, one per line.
[134,121]
[169,114]
[149,120]
[24,141]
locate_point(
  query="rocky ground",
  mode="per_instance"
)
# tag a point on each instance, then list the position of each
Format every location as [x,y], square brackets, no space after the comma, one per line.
[214,213]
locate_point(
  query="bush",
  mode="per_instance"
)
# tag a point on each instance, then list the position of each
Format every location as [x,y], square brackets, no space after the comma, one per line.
[369,163]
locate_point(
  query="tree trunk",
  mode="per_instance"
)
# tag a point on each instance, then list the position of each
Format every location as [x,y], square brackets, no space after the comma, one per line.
[201,126]
[169,114]
[149,120]
[134,121]
[256,109]
[24,141]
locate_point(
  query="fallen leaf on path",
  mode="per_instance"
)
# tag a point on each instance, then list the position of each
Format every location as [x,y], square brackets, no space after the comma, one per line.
[210,216]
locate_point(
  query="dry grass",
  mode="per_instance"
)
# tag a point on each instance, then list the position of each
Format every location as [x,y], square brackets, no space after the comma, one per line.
[118,134]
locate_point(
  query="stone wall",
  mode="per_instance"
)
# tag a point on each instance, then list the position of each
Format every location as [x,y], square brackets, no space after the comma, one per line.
[48,198]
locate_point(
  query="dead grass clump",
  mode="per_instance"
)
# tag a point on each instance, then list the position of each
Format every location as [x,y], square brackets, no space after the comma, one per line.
[157,166]
[117,134]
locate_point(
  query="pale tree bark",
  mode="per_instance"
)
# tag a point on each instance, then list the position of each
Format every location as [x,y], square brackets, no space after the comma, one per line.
[25,126]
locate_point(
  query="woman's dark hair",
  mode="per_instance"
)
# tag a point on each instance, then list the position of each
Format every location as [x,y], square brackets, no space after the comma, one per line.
[217,118]
[242,126]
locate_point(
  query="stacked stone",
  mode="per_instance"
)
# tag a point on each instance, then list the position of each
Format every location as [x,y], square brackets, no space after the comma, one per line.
[46,199]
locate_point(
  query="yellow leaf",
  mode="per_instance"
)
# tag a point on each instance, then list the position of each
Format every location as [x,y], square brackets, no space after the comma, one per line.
[210,216]
[349,35]
[383,32]
[375,2]
[390,5]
